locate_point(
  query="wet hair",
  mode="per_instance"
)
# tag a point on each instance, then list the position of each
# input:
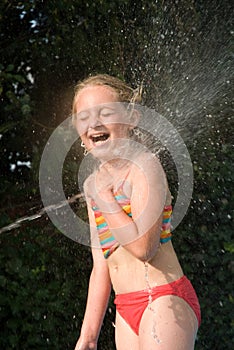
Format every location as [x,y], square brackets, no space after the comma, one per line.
[124,92]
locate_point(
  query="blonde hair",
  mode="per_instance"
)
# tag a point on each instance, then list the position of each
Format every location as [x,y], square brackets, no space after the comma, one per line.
[124,92]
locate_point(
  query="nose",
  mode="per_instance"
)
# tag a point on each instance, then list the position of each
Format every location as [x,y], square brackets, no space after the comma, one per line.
[94,120]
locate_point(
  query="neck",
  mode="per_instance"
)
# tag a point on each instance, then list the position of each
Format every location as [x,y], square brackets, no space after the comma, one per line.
[116,164]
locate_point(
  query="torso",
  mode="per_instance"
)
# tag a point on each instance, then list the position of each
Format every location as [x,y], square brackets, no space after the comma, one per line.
[163,268]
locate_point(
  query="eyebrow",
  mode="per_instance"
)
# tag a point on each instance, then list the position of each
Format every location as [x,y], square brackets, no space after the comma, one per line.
[107,107]
[100,107]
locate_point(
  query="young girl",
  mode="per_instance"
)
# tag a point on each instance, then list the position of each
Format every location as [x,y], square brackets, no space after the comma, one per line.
[129,208]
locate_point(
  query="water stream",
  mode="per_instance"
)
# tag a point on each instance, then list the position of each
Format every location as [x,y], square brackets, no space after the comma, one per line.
[40,213]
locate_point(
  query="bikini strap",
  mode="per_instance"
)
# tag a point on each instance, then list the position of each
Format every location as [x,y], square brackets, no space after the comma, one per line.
[120,187]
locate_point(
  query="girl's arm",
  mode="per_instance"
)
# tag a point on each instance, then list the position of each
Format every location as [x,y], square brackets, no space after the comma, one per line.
[97,301]
[141,234]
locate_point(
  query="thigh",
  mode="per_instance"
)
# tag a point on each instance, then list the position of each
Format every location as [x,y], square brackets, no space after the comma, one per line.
[168,323]
[125,338]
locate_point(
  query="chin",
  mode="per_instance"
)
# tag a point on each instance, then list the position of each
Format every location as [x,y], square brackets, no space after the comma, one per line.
[101,154]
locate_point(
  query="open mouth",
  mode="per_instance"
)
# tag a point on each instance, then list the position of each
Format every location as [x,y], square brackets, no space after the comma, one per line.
[100,138]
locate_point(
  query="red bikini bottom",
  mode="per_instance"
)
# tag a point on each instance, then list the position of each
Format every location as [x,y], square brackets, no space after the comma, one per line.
[131,306]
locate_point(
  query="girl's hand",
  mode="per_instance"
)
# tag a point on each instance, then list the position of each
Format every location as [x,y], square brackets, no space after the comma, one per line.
[104,180]
[100,185]
[85,345]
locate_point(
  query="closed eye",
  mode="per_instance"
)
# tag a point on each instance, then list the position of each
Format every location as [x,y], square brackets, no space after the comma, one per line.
[82,116]
[106,112]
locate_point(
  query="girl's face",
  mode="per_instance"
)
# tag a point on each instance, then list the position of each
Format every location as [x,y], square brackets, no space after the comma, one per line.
[100,119]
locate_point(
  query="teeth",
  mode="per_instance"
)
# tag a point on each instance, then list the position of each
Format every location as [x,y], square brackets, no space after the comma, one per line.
[100,142]
[100,137]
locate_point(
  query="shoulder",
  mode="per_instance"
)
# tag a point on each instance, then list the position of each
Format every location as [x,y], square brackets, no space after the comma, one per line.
[146,162]
[147,174]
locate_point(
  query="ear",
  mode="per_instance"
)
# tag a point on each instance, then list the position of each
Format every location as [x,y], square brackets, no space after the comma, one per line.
[134,118]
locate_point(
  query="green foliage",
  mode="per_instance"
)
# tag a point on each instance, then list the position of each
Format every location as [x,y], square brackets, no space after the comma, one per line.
[43,283]
[204,241]
[42,294]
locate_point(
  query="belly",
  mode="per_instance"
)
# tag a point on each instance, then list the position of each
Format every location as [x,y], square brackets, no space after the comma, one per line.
[129,274]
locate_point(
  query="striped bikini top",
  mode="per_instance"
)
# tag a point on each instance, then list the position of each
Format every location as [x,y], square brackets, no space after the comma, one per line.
[108,242]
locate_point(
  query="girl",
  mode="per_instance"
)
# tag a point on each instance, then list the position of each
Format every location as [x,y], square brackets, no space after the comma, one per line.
[129,208]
